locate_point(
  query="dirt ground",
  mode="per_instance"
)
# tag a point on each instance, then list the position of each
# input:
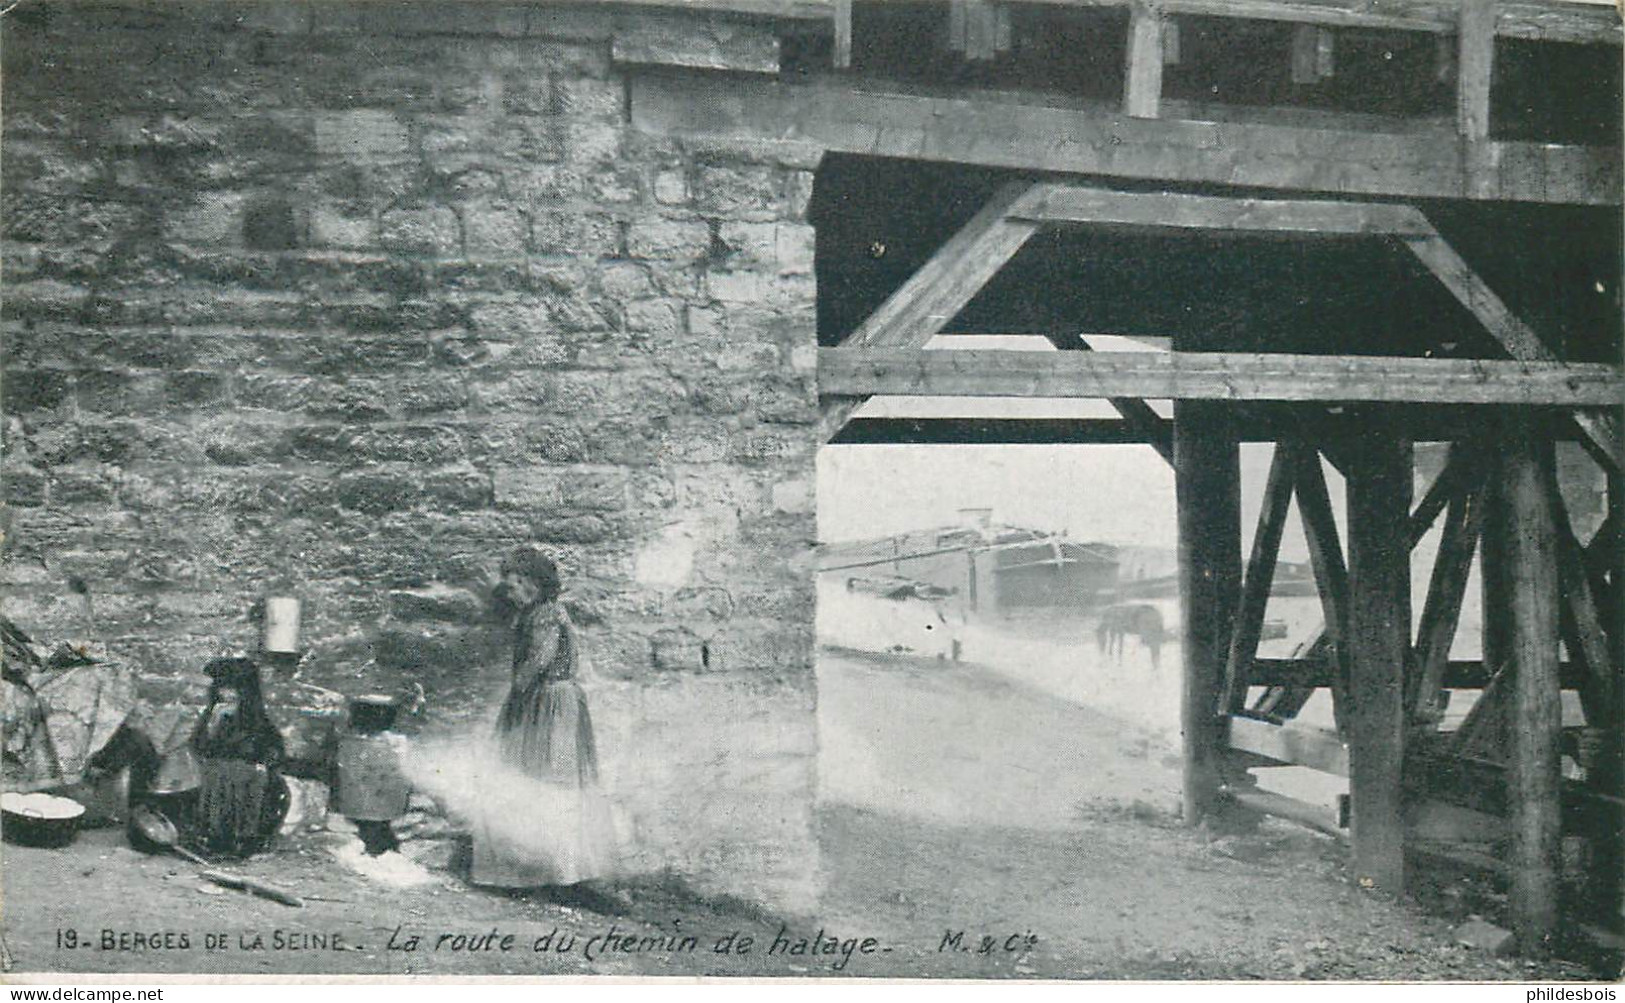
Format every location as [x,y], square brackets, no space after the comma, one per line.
[954,801]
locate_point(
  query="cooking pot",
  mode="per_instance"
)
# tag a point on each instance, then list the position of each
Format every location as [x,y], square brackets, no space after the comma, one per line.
[39,819]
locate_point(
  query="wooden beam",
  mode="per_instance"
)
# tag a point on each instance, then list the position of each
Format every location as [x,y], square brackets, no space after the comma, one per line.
[1059,203]
[1207,491]
[1331,572]
[1379,495]
[1292,809]
[1441,611]
[924,304]
[1583,22]
[999,431]
[1142,76]
[1255,594]
[1445,488]
[1475,60]
[994,130]
[1290,744]
[1580,617]
[1525,521]
[1517,338]
[1459,673]
[1211,376]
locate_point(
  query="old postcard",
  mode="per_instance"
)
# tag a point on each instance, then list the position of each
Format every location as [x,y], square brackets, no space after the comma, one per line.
[974,489]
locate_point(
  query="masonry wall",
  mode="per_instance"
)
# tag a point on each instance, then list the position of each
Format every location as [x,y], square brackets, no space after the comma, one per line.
[341,300]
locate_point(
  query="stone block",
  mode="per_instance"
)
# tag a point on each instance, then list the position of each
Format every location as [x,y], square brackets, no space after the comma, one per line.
[698,43]
[580,23]
[333,226]
[586,235]
[216,218]
[547,183]
[652,318]
[1487,937]
[585,98]
[587,142]
[513,321]
[430,230]
[436,602]
[671,188]
[434,17]
[362,133]
[794,248]
[26,390]
[750,245]
[744,191]
[737,287]
[495,228]
[668,240]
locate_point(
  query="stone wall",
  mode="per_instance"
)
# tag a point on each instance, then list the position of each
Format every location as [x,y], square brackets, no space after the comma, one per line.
[338,301]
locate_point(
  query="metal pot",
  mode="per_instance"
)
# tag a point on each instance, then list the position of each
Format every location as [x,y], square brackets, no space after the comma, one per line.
[39,819]
[373,713]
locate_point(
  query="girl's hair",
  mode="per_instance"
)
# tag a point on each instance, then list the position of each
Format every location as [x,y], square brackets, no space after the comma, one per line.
[252,735]
[536,566]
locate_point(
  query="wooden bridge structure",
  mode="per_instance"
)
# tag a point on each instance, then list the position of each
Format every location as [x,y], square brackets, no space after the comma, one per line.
[1552,598]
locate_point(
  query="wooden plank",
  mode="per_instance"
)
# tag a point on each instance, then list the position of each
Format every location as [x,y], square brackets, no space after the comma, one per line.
[999,431]
[1058,203]
[1290,744]
[1260,577]
[991,129]
[1441,612]
[1293,810]
[1218,376]
[1142,76]
[787,10]
[1459,673]
[1533,779]
[1519,340]
[1207,492]
[1379,497]
[695,42]
[1475,59]
[924,304]
[1580,22]
[843,34]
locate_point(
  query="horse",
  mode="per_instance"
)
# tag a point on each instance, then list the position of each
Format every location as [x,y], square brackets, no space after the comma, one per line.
[1142,619]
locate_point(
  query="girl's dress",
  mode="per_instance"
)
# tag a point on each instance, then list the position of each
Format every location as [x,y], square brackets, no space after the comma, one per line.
[551,825]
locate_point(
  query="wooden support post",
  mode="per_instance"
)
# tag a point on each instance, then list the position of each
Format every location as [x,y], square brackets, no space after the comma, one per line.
[1255,596]
[1142,84]
[843,34]
[1312,54]
[1207,485]
[1331,572]
[1441,612]
[1474,69]
[1379,499]
[1524,525]
[1171,51]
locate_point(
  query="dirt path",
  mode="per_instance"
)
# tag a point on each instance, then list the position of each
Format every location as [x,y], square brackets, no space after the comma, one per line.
[976,803]
[954,800]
